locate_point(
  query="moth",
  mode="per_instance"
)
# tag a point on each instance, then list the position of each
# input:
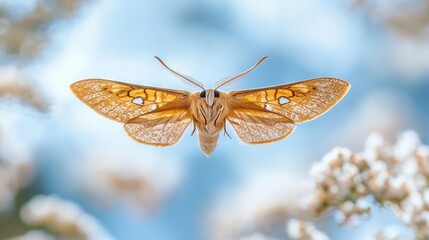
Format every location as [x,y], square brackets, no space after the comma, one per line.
[159,116]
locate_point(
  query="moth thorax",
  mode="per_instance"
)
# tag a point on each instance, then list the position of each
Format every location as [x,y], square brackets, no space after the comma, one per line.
[210,96]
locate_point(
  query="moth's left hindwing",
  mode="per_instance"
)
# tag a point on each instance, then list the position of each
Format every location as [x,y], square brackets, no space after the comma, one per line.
[160,128]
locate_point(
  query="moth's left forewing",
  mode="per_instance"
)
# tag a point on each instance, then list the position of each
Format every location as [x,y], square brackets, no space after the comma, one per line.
[163,126]
[300,101]
[121,101]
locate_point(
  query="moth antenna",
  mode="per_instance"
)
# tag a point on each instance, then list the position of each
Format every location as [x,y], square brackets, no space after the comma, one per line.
[180,76]
[240,75]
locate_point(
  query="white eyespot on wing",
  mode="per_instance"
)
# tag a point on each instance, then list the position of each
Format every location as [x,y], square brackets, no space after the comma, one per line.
[268,107]
[138,101]
[152,107]
[283,100]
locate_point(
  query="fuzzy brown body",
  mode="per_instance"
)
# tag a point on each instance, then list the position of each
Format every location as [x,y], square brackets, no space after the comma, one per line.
[209,120]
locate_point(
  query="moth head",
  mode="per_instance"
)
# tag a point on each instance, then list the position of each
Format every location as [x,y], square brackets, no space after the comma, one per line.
[210,96]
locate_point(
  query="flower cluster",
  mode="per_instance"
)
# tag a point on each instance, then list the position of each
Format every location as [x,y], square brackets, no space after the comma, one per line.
[296,230]
[256,236]
[347,184]
[34,235]
[111,177]
[247,211]
[403,17]
[15,89]
[301,230]
[393,176]
[63,217]
[24,33]
[16,172]
[394,233]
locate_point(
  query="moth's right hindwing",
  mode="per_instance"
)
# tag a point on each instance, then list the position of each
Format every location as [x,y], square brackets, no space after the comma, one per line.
[257,127]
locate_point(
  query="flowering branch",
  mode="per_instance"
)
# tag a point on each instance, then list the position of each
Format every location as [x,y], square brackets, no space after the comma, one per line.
[391,176]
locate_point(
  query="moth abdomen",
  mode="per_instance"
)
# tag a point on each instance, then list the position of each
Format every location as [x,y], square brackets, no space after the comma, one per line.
[208,143]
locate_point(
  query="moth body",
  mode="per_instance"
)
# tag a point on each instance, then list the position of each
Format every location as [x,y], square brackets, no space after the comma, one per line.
[209,112]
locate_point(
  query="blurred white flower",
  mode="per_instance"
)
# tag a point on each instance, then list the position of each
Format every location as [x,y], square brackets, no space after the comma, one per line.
[406,39]
[16,168]
[404,17]
[15,89]
[394,176]
[34,235]
[14,175]
[248,210]
[415,213]
[349,211]
[344,183]
[407,145]
[374,147]
[393,233]
[63,217]
[26,29]
[256,236]
[422,159]
[300,230]
[341,184]
[110,177]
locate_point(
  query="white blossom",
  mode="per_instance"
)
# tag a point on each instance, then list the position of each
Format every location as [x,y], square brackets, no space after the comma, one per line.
[112,177]
[348,185]
[65,218]
[245,211]
[34,235]
[16,171]
[256,236]
[393,175]
[300,230]
[394,233]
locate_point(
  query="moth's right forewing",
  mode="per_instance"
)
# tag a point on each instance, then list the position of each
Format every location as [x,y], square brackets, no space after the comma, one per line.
[300,101]
[122,101]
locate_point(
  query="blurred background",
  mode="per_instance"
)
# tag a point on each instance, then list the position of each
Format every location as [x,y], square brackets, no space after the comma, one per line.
[68,173]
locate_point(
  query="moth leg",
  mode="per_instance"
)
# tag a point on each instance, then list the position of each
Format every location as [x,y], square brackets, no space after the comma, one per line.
[195,128]
[218,114]
[225,132]
[204,116]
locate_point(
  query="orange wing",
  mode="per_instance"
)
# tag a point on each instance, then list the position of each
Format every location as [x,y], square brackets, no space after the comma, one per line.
[259,126]
[151,115]
[122,101]
[300,101]
[269,114]
[161,128]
